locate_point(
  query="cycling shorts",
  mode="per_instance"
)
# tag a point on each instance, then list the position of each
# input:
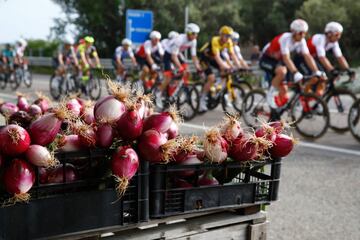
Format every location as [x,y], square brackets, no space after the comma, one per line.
[208,63]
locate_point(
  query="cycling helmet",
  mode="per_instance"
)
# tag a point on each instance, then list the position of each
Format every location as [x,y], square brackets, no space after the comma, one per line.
[192,28]
[22,42]
[126,41]
[235,36]
[68,40]
[89,39]
[299,25]
[155,34]
[173,34]
[334,27]
[226,30]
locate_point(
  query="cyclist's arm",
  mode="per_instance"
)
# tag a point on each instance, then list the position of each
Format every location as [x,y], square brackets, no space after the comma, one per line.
[196,62]
[289,63]
[97,59]
[119,62]
[149,59]
[235,59]
[310,62]
[220,62]
[133,60]
[326,63]
[60,58]
[243,63]
[343,63]
[175,59]
[84,59]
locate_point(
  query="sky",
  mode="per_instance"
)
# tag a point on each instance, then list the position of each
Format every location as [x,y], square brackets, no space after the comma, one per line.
[27,19]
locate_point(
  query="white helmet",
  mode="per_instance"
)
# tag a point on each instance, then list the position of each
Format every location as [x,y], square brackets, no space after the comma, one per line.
[22,42]
[155,34]
[299,25]
[68,40]
[235,36]
[126,41]
[192,28]
[173,34]
[334,27]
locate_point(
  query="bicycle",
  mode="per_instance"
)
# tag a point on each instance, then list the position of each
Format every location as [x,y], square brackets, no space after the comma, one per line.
[354,119]
[229,93]
[64,85]
[181,93]
[339,101]
[305,110]
[21,74]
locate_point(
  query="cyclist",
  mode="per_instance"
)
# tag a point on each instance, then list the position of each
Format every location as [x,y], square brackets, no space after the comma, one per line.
[148,56]
[173,48]
[276,61]
[7,56]
[171,35]
[85,52]
[211,57]
[65,55]
[122,52]
[20,52]
[235,38]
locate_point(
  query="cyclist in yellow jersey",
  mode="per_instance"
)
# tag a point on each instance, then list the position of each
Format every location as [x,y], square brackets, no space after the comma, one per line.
[210,56]
[88,57]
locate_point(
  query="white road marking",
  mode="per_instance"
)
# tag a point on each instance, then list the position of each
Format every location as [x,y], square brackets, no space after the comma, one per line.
[301,143]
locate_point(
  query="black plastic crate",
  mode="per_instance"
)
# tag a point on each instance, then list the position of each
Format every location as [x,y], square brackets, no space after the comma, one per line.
[240,185]
[71,207]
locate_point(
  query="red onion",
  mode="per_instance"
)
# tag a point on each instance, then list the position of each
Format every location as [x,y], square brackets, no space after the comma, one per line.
[43,175]
[154,147]
[87,134]
[1,160]
[187,146]
[282,146]
[40,156]
[173,131]
[215,146]
[70,143]
[124,165]
[74,107]
[130,124]
[87,114]
[43,102]
[162,122]
[144,104]
[104,135]
[21,118]
[34,110]
[190,160]
[7,109]
[243,149]
[14,140]
[181,183]
[22,103]
[57,175]
[43,130]
[19,177]
[207,179]
[230,129]
[279,126]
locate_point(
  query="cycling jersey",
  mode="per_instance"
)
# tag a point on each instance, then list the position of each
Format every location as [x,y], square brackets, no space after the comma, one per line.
[89,52]
[318,46]
[7,53]
[67,53]
[237,51]
[121,53]
[148,48]
[215,46]
[20,51]
[284,44]
[180,44]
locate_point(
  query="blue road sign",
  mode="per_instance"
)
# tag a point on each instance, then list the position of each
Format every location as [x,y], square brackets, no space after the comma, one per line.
[139,24]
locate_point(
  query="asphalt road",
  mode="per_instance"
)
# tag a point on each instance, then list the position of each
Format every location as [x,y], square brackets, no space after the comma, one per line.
[319,188]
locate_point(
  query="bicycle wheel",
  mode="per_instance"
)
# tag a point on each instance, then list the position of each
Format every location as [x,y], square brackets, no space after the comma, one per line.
[56,86]
[354,119]
[27,78]
[244,85]
[255,109]
[94,88]
[310,115]
[3,80]
[188,102]
[231,101]
[339,102]
[15,79]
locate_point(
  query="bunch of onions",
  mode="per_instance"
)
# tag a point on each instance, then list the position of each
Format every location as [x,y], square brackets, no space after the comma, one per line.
[215,146]
[22,102]
[69,143]
[43,102]
[56,175]
[230,129]
[130,124]
[14,140]
[74,106]
[87,114]
[268,130]
[105,134]
[124,165]
[207,179]
[35,110]
[21,118]
[40,156]
[154,147]
[86,133]
[186,147]
[282,146]
[145,105]
[113,106]
[164,122]
[18,179]
[7,108]
[43,131]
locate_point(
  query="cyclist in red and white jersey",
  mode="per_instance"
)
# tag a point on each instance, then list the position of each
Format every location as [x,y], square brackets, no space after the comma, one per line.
[277,62]
[149,55]
[173,49]
[171,35]
[20,52]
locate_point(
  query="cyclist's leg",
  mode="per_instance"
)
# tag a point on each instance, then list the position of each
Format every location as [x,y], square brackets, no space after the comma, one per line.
[167,72]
